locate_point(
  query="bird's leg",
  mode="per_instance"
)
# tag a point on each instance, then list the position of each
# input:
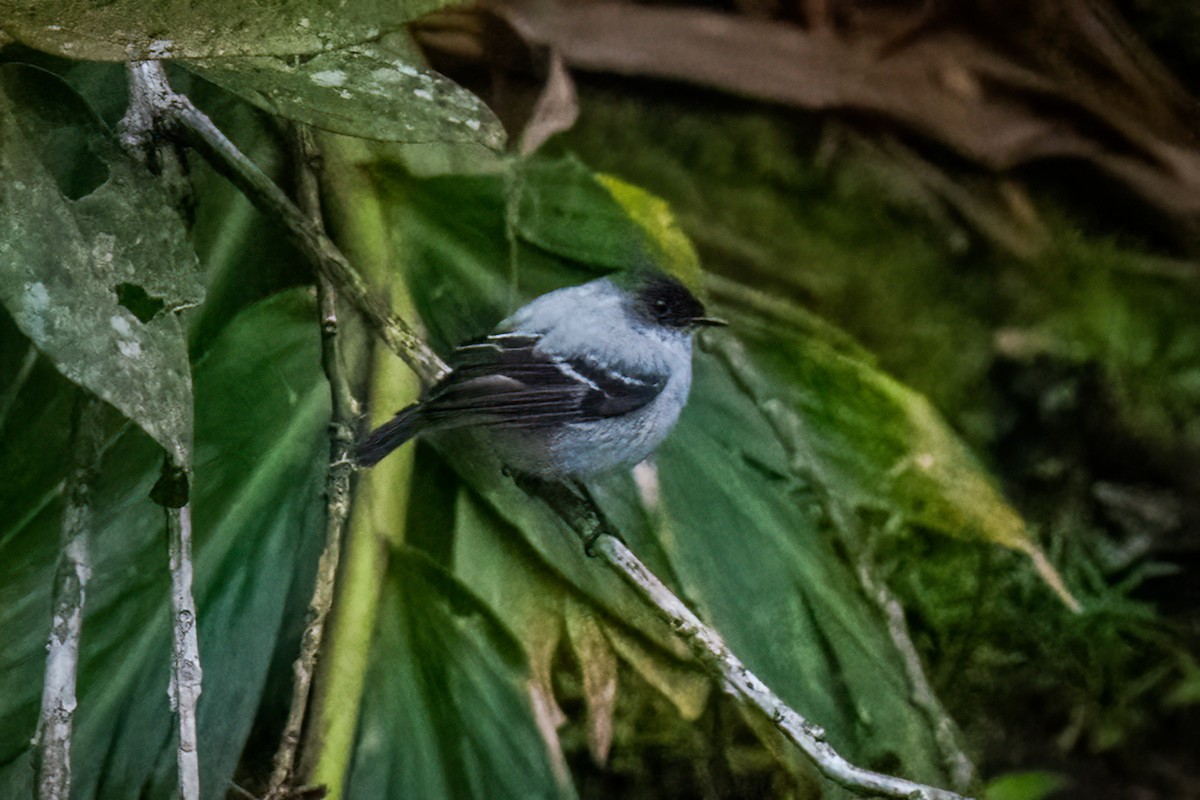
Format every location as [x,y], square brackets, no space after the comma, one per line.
[603,526]
[572,500]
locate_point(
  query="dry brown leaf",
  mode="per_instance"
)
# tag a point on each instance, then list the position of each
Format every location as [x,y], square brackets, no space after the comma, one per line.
[556,109]
[998,108]
[598,665]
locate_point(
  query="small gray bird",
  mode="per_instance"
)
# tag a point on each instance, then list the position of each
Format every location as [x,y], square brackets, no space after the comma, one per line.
[578,382]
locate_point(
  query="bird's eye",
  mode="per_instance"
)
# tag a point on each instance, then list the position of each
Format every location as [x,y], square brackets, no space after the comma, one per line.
[660,305]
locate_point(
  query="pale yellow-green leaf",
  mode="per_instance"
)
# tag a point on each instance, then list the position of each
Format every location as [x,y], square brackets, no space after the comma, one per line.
[653,215]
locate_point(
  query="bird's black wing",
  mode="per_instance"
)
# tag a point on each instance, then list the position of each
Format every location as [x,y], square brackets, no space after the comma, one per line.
[505,380]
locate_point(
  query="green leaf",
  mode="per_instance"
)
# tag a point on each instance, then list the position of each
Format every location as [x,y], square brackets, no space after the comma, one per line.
[566,210]
[676,253]
[448,713]
[94,262]
[362,91]
[752,552]
[484,243]
[540,607]
[516,514]
[130,30]
[869,440]
[257,514]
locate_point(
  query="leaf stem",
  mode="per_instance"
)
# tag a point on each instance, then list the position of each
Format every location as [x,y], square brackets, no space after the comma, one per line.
[70,584]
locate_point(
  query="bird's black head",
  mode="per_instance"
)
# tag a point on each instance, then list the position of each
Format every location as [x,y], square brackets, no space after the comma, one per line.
[665,301]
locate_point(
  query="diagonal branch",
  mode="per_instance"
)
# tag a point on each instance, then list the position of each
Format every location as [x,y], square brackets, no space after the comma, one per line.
[585,519]
[176,113]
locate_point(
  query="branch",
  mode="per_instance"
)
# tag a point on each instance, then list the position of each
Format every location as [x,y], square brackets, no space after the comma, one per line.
[149,94]
[337,482]
[186,674]
[70,584]
[176,113]
[584,518]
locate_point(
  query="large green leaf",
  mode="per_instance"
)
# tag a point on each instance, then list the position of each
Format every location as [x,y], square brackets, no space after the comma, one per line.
[868,440]
[448,712]
[453,232]
[562,207]
[125,30]
[257,504]
[748,542]
[94,262]
[365,91]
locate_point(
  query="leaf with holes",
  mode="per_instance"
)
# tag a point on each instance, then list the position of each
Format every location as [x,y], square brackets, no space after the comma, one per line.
[96,263]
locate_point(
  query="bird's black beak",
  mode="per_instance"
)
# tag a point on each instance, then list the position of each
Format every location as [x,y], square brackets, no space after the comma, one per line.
[709,322]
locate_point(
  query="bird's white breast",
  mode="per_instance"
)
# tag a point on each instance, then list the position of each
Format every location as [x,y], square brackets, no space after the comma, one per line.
[600,325]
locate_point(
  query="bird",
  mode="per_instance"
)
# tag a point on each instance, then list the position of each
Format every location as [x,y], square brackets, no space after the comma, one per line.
[579,382]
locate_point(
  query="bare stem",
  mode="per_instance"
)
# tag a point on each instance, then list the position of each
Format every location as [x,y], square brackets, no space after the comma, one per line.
[337,483]
[146,117]
[70,584]
[186,674]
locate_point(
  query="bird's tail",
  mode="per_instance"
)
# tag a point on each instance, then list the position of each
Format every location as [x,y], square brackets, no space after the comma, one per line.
[388,436]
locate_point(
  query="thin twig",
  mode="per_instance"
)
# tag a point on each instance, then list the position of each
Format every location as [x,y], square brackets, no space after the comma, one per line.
[140,130]
[70,584]
[241,792]
[945,732]
[585,519]
[186,674]
[337,483]
[177,113]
